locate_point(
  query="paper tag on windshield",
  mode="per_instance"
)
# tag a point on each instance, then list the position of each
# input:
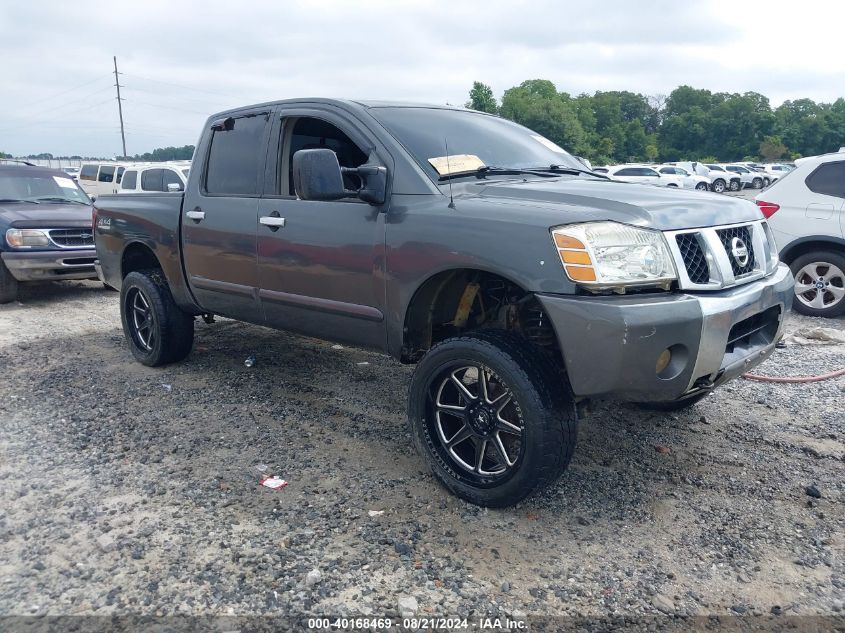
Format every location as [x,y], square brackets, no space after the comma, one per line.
[457,164]
[552,146]
[64,183]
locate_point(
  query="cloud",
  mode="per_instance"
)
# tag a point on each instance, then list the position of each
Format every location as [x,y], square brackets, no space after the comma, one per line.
[183,61]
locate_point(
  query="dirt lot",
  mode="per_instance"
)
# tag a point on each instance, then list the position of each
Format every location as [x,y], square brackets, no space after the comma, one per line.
[133,490]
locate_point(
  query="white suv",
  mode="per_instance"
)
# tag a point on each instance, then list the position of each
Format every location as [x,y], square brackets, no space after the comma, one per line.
[688,180]
[734,182]
[154,178]
[747,176]
[806,212]
[644,175]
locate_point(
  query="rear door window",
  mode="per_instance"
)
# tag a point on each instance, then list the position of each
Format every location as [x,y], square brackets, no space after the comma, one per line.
[828,179]
[151,180]
[88,172]
[130,179]
[234,158]
[106,173]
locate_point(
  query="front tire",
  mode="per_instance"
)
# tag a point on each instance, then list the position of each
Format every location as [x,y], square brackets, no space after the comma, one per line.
[819,284]
[492,417]
[8,285]
[157,330]
[719,185]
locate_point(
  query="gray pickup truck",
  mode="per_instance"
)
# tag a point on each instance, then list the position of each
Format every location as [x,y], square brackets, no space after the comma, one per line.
[521,284]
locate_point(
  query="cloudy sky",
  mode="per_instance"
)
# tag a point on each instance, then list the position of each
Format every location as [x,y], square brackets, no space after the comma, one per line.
[181,61]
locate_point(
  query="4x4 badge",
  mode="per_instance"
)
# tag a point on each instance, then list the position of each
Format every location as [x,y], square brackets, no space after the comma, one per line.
[739,251]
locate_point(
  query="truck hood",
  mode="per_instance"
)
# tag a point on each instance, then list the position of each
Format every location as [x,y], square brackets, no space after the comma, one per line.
[24,215]
[666,209]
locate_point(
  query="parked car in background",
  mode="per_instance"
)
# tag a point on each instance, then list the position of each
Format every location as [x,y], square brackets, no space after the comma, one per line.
[719,180]
[642,174]
[689,180]
[45,228]
[73,172]
[806,213]
[776,171]
[749,179]
[518,282]
[97,179]
[154,178]
[734,182]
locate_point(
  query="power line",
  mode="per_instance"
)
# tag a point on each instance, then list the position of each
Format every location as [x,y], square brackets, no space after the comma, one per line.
[170,83]
[63,92]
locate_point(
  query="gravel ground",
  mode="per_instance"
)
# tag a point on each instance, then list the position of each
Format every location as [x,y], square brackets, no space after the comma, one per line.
[130,490]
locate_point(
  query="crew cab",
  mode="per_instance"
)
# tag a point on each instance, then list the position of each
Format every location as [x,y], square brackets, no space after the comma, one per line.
[520,283]
[45,224]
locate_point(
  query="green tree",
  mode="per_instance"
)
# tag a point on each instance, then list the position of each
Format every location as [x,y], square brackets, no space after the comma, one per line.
[481,98]
[772,148]
[537,104]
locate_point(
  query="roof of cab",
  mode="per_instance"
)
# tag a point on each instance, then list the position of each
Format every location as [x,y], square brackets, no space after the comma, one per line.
[33,170]
[347,103]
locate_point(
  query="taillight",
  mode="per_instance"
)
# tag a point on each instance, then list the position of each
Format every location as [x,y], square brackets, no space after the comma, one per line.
[768,208]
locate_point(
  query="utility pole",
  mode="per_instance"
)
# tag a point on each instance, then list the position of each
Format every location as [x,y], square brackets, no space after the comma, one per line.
[119,106]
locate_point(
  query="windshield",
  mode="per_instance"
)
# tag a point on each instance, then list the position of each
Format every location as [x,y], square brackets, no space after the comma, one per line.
[40,187]
[474,140]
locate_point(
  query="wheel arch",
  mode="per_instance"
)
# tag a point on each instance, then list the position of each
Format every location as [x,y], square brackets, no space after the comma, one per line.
[445,304]
[137,256]
[810,243]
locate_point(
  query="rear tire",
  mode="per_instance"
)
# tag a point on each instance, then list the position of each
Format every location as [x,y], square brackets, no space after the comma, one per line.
[736,185]
[702,186]
[757,183]
[8,285]
[719,185]
[503,451]
[157,330]
[819,284]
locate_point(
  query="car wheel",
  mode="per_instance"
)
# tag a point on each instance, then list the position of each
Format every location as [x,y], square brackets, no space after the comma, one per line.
[719,185]
[757,183]
[675,405]
[492,417]
[766,182]
[819,284]
[702,186]
[735,185]
[157,330]
[8,285]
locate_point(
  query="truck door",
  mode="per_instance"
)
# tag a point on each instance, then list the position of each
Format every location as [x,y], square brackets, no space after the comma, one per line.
[219,216]
[320,263]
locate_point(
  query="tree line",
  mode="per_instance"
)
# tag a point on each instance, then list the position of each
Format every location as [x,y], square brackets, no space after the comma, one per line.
[688,124]
[186,152]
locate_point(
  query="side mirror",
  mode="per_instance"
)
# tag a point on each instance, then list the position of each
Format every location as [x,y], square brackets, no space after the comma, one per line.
[93,198]
[318,176]
[173,187]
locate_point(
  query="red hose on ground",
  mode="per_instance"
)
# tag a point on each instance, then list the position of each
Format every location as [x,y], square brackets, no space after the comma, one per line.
[795,379]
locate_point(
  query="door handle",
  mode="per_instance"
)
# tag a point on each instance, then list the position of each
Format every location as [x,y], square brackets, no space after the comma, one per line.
[196,215]
[273,221]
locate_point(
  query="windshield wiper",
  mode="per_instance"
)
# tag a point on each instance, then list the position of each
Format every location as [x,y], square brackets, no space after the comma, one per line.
[59,199]
[543,172]
[18,200]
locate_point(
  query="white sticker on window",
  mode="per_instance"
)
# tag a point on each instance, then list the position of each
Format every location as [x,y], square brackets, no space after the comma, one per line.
[64,183]
[552,146]
[456,164]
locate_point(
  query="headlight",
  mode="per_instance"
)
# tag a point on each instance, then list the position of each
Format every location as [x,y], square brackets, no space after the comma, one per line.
[21,238]
[612,255]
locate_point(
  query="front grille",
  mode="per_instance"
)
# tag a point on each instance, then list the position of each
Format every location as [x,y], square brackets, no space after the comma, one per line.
[694,259]
[72,238]
[743,233]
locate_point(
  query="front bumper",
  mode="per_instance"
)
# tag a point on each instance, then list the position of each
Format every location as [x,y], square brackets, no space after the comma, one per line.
[611,345]
[51,265]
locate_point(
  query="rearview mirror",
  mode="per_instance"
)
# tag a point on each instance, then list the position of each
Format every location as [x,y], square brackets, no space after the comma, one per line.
[317,175]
